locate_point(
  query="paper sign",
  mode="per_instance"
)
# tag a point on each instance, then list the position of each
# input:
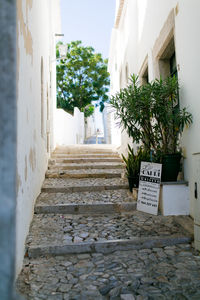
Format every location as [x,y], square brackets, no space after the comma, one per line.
[149,187]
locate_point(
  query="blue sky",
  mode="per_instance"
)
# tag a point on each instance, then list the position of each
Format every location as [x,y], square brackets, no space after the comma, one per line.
[90,21]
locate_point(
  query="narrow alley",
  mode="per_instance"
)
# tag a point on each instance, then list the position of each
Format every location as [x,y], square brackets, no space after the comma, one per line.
[96,96]
[87,241]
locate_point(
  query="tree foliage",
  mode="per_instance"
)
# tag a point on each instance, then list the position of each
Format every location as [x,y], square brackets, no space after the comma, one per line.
[81,79]
[150,113]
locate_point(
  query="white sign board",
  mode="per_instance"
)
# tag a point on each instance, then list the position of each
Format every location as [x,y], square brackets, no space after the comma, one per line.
[149,187]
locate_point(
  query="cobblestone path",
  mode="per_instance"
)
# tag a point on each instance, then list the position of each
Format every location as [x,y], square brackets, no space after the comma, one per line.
[87,241]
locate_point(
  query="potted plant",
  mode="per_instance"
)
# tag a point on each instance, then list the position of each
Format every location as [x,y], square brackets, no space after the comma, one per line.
[168,122]
[133,108]
[133,162]
[132,168]
[152,117]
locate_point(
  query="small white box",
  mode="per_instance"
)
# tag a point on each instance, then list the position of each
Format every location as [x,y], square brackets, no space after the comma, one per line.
[174,198]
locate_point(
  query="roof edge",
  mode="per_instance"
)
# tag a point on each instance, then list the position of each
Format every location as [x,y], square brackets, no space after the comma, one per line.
[119,13]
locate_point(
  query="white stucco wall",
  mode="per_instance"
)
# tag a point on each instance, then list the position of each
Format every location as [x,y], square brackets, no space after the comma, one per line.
[107,125]
[69,130]
[188,49]
[134,39]
[90,128]
[123,61]
[37,23]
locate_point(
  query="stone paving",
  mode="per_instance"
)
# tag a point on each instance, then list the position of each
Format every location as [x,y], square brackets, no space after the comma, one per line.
[83,173]
[108,196]
[97,165]
[164,271]
[55,229]
[54,182]
[85,160]
[159,273]
[85,155]
[84,149]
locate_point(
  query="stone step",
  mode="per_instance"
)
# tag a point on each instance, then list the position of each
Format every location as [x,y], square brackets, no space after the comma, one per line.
[93,197]
[61,234]
[107,246]
[89,152]
[85,155]
[83,173]
[63,185]
[135,274]
[84,149]
[98,208]
[96,165]
[85,160]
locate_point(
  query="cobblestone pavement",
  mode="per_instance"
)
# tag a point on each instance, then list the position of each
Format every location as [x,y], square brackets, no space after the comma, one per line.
[67,160]
[84,172]
[159,273]
[85,149]
[62,183]
[87,155]
[64,229]
[113,196]
[165,272]
[72,166]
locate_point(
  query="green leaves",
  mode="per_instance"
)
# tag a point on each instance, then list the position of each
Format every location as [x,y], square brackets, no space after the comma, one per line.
[133,161]
[133,108]
[81,78]
[88,110]
[151,115]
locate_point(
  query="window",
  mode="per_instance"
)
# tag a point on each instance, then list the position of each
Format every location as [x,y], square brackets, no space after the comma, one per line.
[164,54]
[173,72]
[173,67]
[164,47]
[145,77]
[144,72]
[167,60]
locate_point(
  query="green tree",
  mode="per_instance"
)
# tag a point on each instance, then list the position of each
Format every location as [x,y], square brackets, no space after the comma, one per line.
[81,79]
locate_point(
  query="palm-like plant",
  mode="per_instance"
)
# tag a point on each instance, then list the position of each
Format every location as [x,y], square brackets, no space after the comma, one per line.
[132,163]
[134,110]
[133,160]
[150,115]
[170,120]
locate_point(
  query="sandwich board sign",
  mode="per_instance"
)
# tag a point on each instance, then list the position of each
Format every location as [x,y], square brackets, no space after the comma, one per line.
[149,187]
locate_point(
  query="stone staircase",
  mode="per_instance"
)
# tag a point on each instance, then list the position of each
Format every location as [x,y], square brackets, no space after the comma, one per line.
[85,208]
[85,182]
[106,219]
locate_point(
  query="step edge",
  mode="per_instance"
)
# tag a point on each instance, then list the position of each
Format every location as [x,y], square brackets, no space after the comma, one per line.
[82,208]
[109,246]
[74,189]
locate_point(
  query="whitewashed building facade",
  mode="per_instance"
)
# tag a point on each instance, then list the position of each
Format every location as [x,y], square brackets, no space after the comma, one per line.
[38,22]
[147,36]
